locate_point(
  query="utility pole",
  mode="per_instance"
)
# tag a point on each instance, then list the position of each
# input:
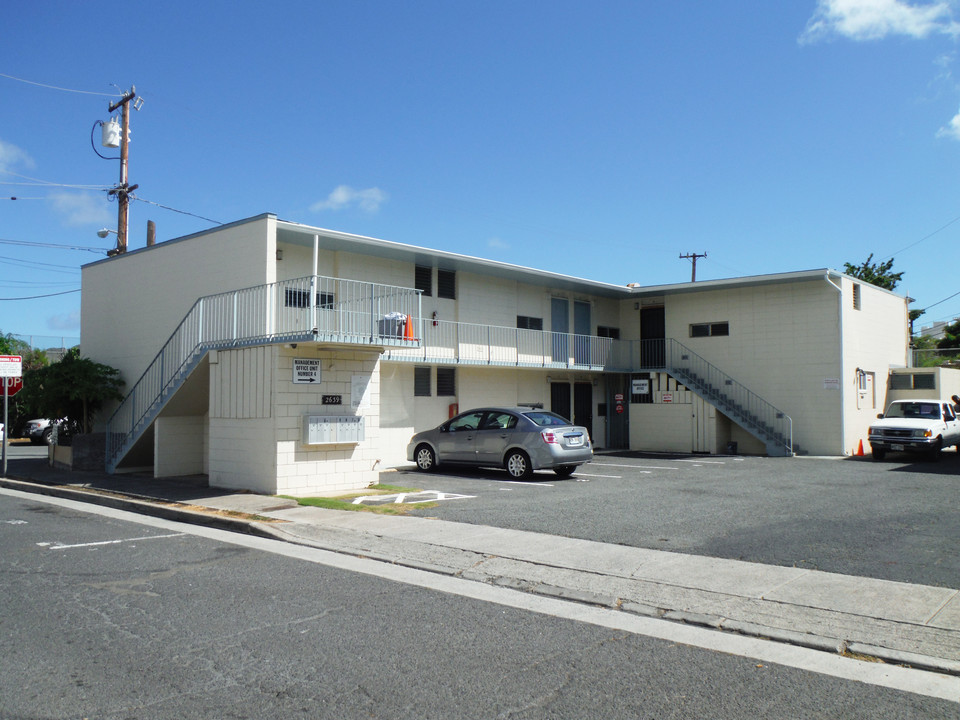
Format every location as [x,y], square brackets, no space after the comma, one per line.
[693,257]
[122,191]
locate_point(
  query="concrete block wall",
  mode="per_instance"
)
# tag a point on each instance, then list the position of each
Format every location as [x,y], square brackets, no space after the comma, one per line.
[305,470]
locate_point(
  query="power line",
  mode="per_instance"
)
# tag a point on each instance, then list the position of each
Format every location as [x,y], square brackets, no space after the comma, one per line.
[182,212]
[51,245]
[35,182]
[35,297]
[54,87]
[925,237]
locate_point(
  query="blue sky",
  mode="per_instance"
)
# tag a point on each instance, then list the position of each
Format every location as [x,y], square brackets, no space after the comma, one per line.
[601,140]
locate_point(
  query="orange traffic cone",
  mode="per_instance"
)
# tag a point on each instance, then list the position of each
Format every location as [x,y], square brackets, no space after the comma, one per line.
[408,329]
[860,449]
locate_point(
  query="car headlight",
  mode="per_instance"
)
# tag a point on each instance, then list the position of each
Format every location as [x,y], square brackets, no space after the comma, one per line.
[873,431]
[923,433]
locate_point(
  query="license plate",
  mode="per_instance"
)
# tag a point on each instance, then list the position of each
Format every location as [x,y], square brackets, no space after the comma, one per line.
[575,440]
[896,448]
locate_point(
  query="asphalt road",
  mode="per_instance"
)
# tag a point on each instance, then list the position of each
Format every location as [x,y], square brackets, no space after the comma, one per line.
[106,616]
[896,520]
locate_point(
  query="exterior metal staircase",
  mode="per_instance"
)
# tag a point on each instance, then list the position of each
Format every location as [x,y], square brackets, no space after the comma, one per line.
[342,311]
[768,424]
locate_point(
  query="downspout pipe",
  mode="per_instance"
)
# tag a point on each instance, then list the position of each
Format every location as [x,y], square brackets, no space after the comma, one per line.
[313,284]
[843,393]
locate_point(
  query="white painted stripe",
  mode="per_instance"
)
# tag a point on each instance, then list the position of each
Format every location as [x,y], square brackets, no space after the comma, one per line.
[619,465]
[58,546]
[704,462]
[526,484]
[920,682]
[616,477]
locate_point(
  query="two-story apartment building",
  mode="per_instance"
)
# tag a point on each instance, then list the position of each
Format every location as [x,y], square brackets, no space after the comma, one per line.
[283,358]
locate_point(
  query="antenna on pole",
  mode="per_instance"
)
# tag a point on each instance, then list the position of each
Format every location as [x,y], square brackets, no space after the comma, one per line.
[693,258]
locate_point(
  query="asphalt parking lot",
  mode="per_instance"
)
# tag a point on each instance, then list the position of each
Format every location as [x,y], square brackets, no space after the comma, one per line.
[894,520]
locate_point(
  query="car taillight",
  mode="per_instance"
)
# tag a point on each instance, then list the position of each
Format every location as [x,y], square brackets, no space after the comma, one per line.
[550,437]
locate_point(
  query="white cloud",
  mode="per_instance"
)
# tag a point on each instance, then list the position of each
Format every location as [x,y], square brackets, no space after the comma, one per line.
[876,19]
[951,129]
[11,156]
[497,244]
[80,208]
[344,196]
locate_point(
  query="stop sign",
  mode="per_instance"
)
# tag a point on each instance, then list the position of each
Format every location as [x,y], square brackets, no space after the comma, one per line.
[13,384]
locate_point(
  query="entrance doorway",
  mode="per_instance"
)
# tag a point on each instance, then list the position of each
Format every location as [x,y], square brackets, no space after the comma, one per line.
[583,406]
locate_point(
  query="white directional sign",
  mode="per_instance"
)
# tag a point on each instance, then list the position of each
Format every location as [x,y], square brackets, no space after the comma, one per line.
[11,366]
[306,370]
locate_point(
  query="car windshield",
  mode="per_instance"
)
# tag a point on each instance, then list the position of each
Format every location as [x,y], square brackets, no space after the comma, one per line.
[913,410]
[546,419]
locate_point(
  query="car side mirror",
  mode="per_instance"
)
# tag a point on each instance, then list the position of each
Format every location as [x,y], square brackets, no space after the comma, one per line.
[879,416]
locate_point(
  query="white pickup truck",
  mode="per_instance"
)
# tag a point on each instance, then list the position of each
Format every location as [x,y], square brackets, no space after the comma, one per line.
[925,426]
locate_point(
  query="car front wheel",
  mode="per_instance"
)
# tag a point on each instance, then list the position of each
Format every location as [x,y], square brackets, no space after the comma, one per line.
[426,460]
[518,465]
[879,454]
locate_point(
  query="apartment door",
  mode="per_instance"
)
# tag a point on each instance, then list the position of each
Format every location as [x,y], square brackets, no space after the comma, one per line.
[618,423]
[583,406]
[560,325]
[653,331]
[560,399]
[703,425]
[581,332]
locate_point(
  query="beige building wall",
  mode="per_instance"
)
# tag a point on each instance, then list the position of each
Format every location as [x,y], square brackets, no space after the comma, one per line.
[783,345]
[875,340]
[257,414]
[133,302]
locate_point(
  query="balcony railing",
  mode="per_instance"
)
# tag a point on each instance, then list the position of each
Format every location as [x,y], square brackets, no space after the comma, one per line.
[471,344]
[341,311]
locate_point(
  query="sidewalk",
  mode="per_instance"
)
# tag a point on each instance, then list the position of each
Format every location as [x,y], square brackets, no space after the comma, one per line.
[899,623]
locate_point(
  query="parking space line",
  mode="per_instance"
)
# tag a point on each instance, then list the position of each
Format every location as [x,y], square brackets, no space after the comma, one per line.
[644,467]
[58,546]
[526,484]
[616,477]
[704,462]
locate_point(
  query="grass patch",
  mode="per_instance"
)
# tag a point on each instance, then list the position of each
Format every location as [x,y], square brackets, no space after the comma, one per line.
[345,502]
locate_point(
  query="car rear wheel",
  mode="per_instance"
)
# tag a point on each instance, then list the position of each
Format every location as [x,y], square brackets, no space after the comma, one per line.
[426,459]
[518,465]
[565,470]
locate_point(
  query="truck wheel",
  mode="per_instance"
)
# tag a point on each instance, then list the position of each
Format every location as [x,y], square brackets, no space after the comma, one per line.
[934,452]
[879,454]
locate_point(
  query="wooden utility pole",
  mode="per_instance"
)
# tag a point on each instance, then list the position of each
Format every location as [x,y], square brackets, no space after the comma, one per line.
[122,191]
[693,257]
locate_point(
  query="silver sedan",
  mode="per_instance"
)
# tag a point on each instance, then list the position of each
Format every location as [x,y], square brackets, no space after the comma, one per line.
[519,439]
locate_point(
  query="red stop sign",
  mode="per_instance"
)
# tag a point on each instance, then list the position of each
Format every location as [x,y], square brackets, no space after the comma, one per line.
[14,385]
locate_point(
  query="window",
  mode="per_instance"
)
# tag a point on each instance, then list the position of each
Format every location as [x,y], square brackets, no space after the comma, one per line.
[913,381]
[529,323]
[301,299]
[608,332]
[421,382]
[446,382]
[447,284]
[423,279]
[710,329]
[856,296]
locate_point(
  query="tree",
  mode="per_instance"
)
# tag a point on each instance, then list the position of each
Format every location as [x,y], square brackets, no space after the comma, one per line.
[21,406]
[875,273]
[951,336]
[75,388]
